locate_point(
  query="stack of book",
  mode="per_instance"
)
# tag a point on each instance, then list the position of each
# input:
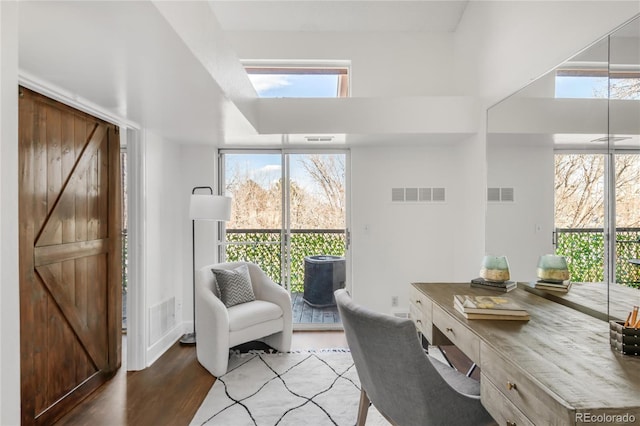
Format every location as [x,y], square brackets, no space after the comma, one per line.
[489,307]
[503,286]
[559,286]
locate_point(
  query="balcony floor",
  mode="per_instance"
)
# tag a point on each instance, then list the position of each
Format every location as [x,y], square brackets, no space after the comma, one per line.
[305,314]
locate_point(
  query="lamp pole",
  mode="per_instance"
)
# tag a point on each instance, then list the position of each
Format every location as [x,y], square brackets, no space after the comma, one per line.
[203,207]
[190,338]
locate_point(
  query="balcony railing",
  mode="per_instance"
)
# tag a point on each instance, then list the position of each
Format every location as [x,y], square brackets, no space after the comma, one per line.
[264,247]
[584,249]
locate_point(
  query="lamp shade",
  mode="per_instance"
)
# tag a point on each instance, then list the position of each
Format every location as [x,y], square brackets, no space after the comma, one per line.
[210,207]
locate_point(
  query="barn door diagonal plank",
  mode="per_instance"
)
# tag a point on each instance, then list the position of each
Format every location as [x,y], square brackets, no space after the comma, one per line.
[54,221]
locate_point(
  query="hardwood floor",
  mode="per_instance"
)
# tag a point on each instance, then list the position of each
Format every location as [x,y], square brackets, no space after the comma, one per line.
[170,391]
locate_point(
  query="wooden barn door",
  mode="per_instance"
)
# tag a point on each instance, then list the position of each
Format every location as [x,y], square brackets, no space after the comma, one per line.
[70,256]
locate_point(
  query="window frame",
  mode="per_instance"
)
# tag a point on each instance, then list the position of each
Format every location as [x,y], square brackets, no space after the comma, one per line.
[341,69]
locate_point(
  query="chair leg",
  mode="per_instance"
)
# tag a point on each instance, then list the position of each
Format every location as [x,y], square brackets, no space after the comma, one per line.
[363,408]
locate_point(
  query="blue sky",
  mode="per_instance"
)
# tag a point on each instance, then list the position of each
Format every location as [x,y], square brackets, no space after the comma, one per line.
[295,85]
[581,87]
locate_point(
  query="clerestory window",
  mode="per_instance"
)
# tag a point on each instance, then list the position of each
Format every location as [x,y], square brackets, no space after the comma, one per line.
[299,81]
[597,84]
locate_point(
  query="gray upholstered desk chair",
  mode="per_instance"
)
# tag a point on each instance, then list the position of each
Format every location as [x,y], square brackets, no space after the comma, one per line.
[407,387]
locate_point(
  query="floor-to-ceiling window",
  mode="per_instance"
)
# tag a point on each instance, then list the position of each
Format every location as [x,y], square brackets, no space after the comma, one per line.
[289,215]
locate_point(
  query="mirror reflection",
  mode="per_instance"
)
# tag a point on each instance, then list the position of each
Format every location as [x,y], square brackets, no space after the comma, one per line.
[563,174]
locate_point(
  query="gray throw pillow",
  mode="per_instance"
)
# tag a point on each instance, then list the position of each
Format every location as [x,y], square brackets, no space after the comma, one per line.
[234,285]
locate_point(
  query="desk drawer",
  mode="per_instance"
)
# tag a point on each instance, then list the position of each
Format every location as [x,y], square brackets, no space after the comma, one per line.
[498,405]
[420,310]
[422,325]
[457,333]
[536,403]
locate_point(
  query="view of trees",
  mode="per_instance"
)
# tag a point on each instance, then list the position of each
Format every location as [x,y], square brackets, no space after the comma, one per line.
[316,203]
[624,88]
[579,190]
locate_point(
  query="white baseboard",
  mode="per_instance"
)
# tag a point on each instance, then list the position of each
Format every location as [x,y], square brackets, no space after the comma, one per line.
[156,350]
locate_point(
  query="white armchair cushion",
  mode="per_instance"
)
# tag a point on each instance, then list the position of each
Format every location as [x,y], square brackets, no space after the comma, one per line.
[234,286]
[245,315]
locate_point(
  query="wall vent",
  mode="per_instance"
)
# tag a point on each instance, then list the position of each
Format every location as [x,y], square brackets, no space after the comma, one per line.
[397,194]
[506,194]
[162,319]
[501,195]
[418,195]
[438,194]
[493,194]
[401,314]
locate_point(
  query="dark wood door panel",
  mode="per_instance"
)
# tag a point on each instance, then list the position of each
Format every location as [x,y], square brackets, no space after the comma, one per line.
[81,193]
[70,255]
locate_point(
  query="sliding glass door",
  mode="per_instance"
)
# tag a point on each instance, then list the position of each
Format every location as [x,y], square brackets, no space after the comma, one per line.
[289,216]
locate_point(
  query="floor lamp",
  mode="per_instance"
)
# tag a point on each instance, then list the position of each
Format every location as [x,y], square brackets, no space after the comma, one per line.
[203,207]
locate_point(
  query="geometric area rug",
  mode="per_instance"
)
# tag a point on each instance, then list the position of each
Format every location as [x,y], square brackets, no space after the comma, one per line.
[314,388]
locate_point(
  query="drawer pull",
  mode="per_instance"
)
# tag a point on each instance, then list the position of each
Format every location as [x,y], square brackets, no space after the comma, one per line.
[449,330]
[510,423]
[419,302]
[418,322]
[512,386]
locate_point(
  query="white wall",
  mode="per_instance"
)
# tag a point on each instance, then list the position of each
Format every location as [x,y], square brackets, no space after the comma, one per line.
[9,274]
[468,210]
[395,244]
[521,230]
[166,240]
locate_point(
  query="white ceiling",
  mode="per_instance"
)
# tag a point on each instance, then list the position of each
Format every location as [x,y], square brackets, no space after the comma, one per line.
[331,15]
[126,59]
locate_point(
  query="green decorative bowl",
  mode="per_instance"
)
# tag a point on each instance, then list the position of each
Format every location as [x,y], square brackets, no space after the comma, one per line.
[495,269]
[553,268]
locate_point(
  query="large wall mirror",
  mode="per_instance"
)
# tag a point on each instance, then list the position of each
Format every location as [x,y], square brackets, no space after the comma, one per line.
[563,174]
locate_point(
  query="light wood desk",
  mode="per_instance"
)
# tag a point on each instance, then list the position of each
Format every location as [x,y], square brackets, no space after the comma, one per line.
[556,369]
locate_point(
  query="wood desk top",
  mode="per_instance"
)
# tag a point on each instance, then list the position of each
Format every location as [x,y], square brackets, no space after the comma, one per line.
[591,298]
[566,352]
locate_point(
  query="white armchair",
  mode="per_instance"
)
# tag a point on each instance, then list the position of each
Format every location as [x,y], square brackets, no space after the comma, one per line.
[218,328]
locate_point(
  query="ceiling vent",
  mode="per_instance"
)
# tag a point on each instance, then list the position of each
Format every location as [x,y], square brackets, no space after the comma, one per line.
[611,139]
[418,195]
[319,138]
